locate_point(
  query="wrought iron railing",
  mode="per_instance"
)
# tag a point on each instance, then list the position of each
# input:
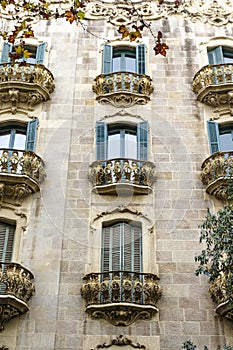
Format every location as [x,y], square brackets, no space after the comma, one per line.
[36,74]
[122,170]
[123,88]
[19,162]
[121,286]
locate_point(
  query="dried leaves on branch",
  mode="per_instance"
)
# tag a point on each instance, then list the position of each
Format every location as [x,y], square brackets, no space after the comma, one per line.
[74,13]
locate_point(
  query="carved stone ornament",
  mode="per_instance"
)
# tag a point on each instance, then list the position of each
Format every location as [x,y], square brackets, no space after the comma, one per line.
[120,341]
[217,173]
[218,295]
[23,87]
[123,89]
[121,297]
[16,290]
[21,173]
[3,347]
[214,12]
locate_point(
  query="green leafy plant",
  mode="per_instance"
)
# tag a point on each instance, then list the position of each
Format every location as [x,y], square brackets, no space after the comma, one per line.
[188,345]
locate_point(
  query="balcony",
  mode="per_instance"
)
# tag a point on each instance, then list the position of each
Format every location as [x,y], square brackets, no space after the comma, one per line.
[16,289]
[217,173]
[218,295]
[213,84]
[22,86]
[121,297]
[21,173]
[122,176]
[123,89]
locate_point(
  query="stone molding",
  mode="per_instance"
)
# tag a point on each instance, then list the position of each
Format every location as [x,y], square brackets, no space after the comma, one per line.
[121,340]
[196,10]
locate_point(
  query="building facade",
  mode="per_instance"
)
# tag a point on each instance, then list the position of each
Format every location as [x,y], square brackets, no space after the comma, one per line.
[110,157]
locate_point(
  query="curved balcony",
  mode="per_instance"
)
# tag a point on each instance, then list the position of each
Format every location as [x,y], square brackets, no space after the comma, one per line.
[23,85]
[218,295]
[121,297]
[213,84]
[16,289]
[122,176]
[123,89]
[217,173]
[21,173]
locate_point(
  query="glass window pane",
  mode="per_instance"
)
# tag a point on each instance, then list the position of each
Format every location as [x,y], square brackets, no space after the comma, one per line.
[116,64]
[4,140]
[130,146]
[114,146]
[130,64]
[19,142]
[226,143]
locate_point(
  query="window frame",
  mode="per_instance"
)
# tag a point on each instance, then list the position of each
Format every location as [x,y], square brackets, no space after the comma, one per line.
[214,132]
[218,54]
[40,53]
[7,241]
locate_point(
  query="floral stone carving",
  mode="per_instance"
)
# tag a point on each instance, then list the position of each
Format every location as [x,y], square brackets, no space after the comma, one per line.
[120,341]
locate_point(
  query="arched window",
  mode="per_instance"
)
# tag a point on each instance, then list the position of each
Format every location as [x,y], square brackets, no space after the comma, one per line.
[121,247]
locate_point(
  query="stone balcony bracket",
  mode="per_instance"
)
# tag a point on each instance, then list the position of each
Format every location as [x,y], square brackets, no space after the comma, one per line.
[121,297]
[123,89]
[122,176]
[22,86]
[217,173]
[16,289]
[218,295]
[213,85]
[21,173]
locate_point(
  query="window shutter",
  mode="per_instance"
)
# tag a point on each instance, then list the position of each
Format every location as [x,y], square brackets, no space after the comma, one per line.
[128,255]
[215,56]
[142,140]
[101,141]
[107,59]
[141,59]
[116,247]
[6,49]
[137,249]
[31,135]
[6,242]
[213,133]
[40,52]
[105,259]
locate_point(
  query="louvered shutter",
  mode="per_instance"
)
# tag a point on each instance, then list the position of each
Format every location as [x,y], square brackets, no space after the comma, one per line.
[107,59]
[101,141]
[215,56]
[127,247]
[142,140]
[40,52]
[137,249]
[6,242]
[141,59]
[105,259]
[31,135]
[6,49]
[213,133]
[116,247]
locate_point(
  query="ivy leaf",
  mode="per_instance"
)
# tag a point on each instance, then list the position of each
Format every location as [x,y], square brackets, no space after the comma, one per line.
[134,35]
[70,16]
[124,31]
[81,14]
[161,48]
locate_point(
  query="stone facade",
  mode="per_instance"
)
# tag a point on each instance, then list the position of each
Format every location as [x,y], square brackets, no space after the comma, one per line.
[61,235]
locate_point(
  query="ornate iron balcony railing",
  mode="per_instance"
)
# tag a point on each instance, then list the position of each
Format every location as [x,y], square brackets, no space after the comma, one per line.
[16,289]
[217,173]
[113,175]
[121,297]
[123,89]
[21,173]
[213,84]
[23,85]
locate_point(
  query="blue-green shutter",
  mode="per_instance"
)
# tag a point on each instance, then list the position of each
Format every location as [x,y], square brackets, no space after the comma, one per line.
[142,140]
[141,59]
[213,133]
[31,135]
[40,52]
[101,140]
[6,49]
[215,56]
[6,241]
[107,59]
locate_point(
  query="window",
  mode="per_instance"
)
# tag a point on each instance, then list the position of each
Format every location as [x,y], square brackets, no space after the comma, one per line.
[7,233]
[220,137]
[220,54]
[122,247]
[19,136]
[122,141]
[37,52]
[124,59]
